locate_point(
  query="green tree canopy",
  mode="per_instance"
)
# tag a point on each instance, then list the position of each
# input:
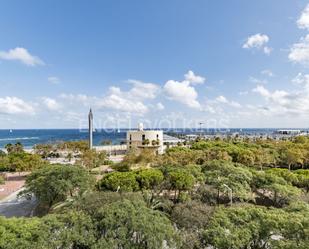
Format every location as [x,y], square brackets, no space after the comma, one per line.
[53,184]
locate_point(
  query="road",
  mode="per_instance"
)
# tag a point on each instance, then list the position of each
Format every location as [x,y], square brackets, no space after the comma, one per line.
[12,206]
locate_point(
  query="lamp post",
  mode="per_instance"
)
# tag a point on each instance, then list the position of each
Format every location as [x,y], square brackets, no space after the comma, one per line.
[201,123]
[230,193]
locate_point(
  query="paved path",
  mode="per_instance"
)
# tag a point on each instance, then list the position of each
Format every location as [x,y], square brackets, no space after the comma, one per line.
[12,206]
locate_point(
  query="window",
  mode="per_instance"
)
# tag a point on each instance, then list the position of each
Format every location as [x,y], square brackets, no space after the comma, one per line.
[130,136]
[143,137]
[157,136]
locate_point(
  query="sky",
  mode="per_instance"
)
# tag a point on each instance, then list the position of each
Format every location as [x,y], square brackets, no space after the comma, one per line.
[166,63]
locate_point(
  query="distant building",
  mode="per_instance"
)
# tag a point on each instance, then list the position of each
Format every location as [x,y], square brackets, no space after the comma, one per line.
[145,139]
[288,132]
[191,137]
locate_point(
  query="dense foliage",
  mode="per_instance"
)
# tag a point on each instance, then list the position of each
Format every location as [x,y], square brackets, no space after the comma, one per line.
[17,160]
[54,184]
[212,194]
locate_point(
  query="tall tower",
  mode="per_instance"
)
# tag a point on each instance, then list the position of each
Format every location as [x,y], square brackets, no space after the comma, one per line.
[90,120]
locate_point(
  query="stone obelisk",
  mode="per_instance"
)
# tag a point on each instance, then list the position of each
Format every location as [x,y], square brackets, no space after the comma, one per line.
[90,120]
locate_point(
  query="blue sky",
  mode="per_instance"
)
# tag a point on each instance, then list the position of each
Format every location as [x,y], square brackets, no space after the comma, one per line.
[167,63]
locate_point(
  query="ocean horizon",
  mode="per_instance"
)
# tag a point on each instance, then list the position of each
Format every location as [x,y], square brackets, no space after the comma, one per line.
[31,137]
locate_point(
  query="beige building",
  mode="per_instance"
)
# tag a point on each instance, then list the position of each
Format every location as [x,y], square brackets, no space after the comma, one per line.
[145,139]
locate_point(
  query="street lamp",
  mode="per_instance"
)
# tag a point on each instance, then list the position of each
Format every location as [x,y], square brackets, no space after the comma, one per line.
[201,123]
[230,193]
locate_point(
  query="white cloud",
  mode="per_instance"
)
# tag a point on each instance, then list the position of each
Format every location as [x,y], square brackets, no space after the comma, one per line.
[160,106]
[130,101]
[257,81]
[303,21]
[258,41]
[14,105]
[299,53]
[267,50]
[267,72]
[54,80]
[22,55]
[194,79]
[75,97]
[143,90]
[183,91]
[243,93]
[223,100]
[51,104]
[120,103]
[287,102]
[262,91]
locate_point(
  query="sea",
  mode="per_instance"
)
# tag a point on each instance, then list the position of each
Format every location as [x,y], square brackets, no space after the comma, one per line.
[31,137]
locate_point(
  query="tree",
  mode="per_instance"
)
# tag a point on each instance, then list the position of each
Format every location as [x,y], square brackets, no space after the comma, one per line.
[302,181]
[255,227]
[190,218]
[44,150]
[220,174]
[22,161]
[126,224]
[180,180]
[1,179]
[149,178]
[2,153]
[92,159]
[292,156]
[122,181]
[67,230]
[53,184]
[20,233]
[270,186]
[14,148]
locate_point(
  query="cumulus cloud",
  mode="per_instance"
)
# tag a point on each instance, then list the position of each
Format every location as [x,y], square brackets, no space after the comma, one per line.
[194,79]
[258,41]
[51,104]
[54,80]
[160,106]
[143,90]
[81,98]
[293,102]
[303,21]
[257,81]
[267,50]
[223,100]
[131,101]
[299,52]
[14,105]
[118,101]
[22,55]
[183,91]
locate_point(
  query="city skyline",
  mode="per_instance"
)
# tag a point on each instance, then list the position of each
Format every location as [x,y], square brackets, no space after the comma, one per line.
[226,64]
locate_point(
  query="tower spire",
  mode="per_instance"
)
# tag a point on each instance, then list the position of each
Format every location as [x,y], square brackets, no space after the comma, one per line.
[90,122]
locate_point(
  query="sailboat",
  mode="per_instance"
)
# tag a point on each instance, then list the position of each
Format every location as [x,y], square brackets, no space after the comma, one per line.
[11,130]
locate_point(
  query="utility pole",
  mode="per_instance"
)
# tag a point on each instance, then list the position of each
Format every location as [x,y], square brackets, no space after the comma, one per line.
[90,121]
